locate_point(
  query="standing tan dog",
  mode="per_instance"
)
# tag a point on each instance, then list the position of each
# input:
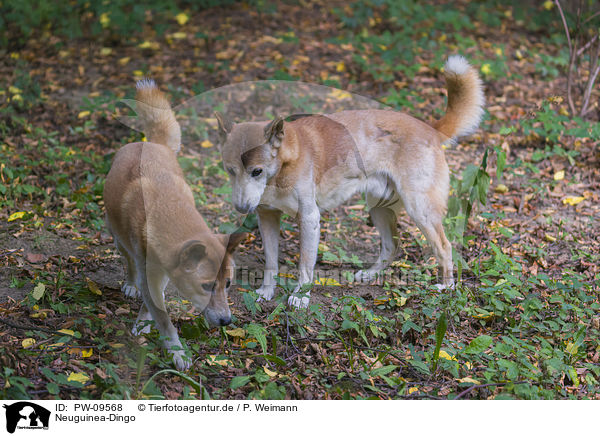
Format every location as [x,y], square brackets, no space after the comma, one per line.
[152,216]
[318,162]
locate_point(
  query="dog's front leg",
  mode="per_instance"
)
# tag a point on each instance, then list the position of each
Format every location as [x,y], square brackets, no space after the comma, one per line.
[151,282]
[310,228]
[268,224]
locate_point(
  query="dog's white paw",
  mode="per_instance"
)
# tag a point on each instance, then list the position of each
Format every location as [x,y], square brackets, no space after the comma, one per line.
[180,360]
[298,302]
[265,293]
[130,290]
[365,276]
[441,287]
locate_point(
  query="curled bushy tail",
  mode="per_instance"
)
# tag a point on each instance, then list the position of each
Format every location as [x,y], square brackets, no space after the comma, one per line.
[157,117]
[465,99]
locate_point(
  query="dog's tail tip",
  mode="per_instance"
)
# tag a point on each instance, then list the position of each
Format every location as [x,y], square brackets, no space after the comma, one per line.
[457,64]
[145,84]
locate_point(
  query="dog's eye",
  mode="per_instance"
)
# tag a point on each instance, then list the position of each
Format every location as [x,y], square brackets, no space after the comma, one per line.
[208,287]
[256,172]
[227,284]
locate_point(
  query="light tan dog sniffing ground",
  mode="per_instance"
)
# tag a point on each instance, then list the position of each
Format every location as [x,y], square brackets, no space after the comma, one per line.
[317,162]
[152,216]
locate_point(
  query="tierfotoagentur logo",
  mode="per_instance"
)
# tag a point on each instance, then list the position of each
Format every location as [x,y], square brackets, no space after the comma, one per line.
[26,415]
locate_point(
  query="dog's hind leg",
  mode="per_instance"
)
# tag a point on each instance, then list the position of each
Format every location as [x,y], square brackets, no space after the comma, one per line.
[385,221]
[428,215]
[129,285]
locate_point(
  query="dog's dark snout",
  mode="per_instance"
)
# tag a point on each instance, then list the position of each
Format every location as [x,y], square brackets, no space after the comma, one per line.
[224,321]
[242,208]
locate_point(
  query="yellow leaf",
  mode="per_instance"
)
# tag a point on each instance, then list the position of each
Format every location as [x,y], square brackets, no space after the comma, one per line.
[563,111]
[444,355]
[80,377]
[117,345]
[486,69]
[518,54]
[16,216]
[124,61]
[149,44]
[549,238]
[548,4]
[105,51]
[67,332]
[83,114]
[572,348]
[338,94]
[468,380]
[488,315]
[413,389]
[14,90]
[179,35]
[28,342]
[269,372]
[93,287]
[236,333]
[17,97]
[138,73]
[501,189]
[212,360]
[323,281]
[572,201]
[182,18]
[380,301]
[498,51]
[87,353]
[206,144]
[104,19]
[559,175]
[340,67]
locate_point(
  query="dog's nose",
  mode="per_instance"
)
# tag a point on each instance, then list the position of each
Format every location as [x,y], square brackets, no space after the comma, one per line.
[244,208]
[225,320]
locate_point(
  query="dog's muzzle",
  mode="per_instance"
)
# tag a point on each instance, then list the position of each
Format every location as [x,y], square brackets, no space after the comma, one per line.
[245,208]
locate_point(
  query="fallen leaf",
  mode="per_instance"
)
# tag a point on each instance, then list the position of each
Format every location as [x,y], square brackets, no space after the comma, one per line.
[468,380]
[182,18]
[206,144]
[212,360]
[93,287]
[38,291]
[66,332]
[444,355]
[501,189]
[269,372]
[16,216]
[572,201]
[236,333]
[83,114]
[26,343]
[559,175]
[326,281]
[80,377]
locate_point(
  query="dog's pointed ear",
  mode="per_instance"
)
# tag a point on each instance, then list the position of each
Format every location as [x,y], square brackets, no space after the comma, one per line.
[225,124]
[191,254]
[274,131]
[234,240]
